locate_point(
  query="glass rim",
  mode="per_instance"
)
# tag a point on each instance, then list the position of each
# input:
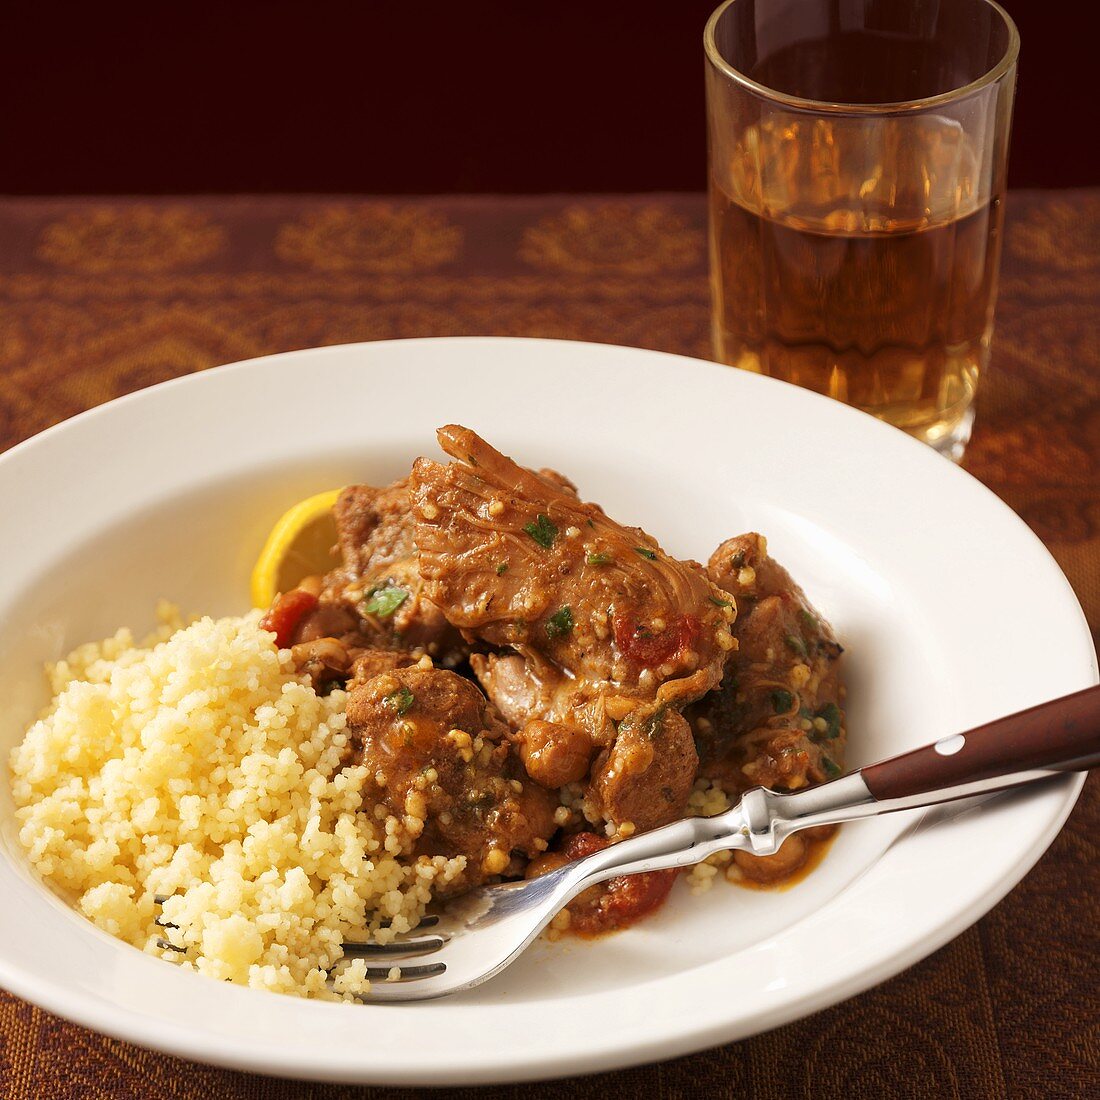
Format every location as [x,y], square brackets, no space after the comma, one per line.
[823,106]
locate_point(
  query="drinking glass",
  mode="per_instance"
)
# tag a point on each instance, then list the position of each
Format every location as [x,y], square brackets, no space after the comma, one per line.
[857,176]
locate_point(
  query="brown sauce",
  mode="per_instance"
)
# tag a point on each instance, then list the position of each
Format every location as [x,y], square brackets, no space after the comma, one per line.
[622,902]
[817,848]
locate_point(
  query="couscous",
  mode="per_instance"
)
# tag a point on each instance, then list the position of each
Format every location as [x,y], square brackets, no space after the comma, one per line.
[198,767]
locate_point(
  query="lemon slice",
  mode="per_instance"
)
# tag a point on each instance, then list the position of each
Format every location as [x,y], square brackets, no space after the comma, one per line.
[300,544]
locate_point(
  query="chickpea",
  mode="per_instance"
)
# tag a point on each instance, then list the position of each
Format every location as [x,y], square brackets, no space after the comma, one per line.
[768,869]
[554,754]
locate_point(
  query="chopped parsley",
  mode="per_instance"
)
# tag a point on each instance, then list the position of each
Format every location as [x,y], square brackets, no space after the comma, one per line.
[796,645]
[502,569]
[543,530]
[560,623]
[598,558]
[782,701]
[384,600]
[400,701]
[651,729]
[831,713]
[719,603]
[808,621]
[831,767]
[646,553]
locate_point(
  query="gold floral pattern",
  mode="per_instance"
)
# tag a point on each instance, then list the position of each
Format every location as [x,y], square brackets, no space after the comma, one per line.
[619,238]
[372,237]
[142,239]
[13,338]
[1030,454]
[1062,232]
[843,1062]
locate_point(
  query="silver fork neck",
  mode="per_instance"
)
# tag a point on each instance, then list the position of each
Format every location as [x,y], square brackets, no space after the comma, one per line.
[680,844]
[771,817]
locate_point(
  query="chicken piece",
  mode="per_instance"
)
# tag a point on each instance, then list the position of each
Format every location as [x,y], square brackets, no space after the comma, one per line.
[440,759]
[373,601]
[326,624]
[330,619]
[778,719]
[623,786]
[646,775]
[372,527]
[368,663]
[601,619]
[559,481]
[379,580]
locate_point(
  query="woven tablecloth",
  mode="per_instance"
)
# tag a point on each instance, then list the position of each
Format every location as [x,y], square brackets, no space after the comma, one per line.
[98,298]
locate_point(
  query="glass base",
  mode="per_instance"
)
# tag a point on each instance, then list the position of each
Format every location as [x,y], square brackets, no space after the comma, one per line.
[953,443]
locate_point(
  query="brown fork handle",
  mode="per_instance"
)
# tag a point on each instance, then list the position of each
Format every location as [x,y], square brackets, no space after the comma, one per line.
[1063,735]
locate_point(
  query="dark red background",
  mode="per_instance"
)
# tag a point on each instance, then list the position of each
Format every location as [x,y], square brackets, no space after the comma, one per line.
[393,96]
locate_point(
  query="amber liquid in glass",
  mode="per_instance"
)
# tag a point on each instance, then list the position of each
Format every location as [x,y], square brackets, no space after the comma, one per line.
[858,260]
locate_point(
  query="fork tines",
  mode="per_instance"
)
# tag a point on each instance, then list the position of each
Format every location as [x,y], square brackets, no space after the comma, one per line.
[425,945]
[404,973]
[395,949]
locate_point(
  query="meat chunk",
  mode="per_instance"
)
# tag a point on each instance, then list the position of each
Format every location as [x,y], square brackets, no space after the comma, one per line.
[372,527]
[331,618]
[441,760]
[380,580]
[368,663]
[594,618]
[647,773]
[778,719]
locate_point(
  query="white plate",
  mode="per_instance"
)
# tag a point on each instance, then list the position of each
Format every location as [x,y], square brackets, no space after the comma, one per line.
[952,612]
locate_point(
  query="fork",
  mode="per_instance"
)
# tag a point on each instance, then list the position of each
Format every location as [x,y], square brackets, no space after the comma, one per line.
[488,928]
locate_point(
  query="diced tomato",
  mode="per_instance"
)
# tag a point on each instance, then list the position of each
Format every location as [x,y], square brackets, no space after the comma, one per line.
[580,845]
[619,902]
[648,648]
[286,613]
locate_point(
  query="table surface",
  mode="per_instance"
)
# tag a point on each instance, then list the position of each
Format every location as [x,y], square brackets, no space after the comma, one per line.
[98,298]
